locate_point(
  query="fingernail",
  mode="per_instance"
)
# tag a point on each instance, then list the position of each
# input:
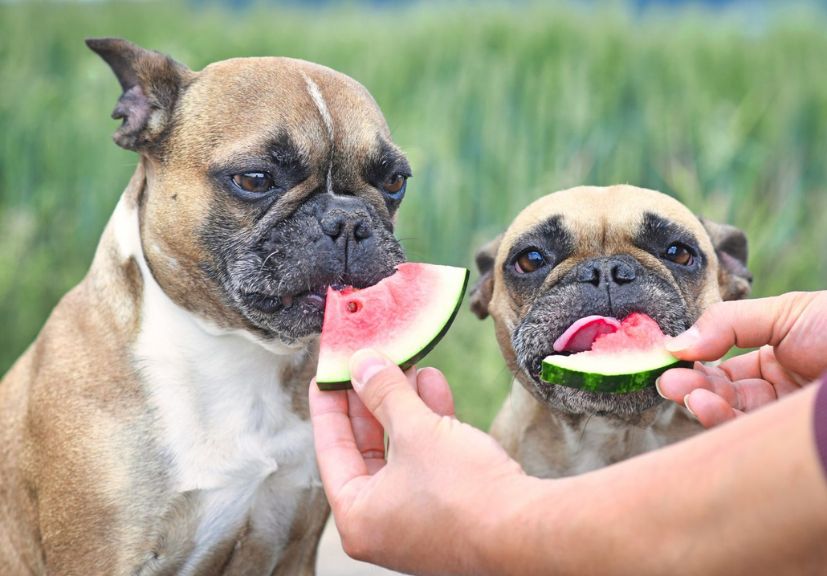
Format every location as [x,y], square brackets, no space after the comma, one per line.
[365,364]
[688,407]
[657,387]
[683,341]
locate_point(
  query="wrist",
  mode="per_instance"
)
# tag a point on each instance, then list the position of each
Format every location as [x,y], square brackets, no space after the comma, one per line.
[512,527]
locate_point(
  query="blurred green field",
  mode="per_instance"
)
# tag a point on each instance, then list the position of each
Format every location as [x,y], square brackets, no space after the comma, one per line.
[494,107]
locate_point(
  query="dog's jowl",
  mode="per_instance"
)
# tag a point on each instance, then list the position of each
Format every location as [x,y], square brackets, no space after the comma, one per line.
[159,423]
[610,252]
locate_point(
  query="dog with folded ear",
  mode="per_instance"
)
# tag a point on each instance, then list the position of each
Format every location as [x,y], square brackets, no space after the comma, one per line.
[159,424]
[595,251]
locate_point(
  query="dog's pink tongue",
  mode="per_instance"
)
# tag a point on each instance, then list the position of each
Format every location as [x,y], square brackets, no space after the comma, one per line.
[580,335]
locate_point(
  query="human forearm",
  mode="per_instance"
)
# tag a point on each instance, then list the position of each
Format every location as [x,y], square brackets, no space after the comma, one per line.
[748,498]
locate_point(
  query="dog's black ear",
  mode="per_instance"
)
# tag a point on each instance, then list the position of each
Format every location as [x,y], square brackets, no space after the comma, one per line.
[484,288]
[151,83]
[734,279]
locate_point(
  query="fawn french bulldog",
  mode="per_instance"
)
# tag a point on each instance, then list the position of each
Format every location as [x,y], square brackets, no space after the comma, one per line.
[597,251]
[159,422]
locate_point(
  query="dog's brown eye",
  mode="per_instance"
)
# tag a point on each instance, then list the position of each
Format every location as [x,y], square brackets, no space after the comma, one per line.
[529,261]
[395,183]
[679,254]
[254,182]
[394,186]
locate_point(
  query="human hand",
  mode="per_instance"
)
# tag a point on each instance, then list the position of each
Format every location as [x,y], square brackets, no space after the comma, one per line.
[791,331]
[411,507]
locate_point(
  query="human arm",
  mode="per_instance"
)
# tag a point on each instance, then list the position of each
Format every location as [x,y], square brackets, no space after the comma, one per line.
[791,331]
[749,497]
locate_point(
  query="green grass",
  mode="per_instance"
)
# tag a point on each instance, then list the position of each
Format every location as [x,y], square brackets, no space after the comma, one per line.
[494,107]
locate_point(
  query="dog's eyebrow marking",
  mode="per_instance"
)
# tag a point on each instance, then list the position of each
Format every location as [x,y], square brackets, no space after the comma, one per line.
[654,228]
[551,234]
[324,112]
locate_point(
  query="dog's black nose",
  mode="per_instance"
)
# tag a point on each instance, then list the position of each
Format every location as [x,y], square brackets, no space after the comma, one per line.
[613,269]
[343,217]
[338,224]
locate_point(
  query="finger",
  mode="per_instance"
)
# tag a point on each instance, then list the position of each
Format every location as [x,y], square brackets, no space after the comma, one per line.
[367,433]
[742,366]
[676,383]
[745,395]
[752,393]
[385,390]
[766,365]
[741,323]
[336,450]
[435,392]
[709,408]
[761,364]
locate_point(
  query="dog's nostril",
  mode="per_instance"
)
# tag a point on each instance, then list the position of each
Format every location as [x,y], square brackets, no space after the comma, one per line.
[610,270]
[361,231]
[589,273]
[622,273]
[351,226]
[332,227]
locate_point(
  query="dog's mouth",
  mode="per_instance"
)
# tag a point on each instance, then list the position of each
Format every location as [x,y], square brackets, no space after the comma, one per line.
[580,336]
[310,300]
[300,311]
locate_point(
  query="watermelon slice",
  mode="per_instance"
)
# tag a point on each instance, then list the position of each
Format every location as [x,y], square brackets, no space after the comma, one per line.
[404,316]
[607,355]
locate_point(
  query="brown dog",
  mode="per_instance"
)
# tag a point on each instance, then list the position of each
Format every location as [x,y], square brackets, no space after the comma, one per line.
[159,423]
[597,251]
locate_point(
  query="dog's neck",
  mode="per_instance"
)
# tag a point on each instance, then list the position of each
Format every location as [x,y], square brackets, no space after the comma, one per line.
[551,443]
[226,379]
[231,408]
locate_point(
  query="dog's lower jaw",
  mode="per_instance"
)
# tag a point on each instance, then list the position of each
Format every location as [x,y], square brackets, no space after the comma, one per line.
[272,343]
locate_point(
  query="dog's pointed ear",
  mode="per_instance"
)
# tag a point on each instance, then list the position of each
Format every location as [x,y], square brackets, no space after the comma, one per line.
[481,292]
[151,84]
[734,279]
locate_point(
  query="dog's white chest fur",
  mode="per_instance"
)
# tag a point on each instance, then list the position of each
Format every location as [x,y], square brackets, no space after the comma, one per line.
[226,421]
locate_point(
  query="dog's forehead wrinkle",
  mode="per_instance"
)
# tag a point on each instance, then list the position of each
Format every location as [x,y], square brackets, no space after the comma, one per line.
[324,112]
[622,205]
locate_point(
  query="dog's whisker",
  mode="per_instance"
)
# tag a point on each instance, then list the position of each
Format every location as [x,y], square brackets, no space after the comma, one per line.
[264,263]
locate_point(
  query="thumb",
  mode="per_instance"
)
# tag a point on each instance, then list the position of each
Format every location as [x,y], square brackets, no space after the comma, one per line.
[384,389]
[741,323]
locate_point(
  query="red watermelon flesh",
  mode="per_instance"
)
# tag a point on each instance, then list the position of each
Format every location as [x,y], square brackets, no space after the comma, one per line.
[622,357]
[580,336]
[637,332]
[403,316]
[606,334]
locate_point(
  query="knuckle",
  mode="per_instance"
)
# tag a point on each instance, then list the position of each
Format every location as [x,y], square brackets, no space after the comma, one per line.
[352,546]
[354,543]
[717,310]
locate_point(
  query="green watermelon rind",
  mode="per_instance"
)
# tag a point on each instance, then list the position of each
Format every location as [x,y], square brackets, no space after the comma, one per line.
[606,383]
[424,351]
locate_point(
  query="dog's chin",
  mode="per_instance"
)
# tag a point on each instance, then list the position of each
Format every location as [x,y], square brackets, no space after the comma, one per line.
[287,317]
